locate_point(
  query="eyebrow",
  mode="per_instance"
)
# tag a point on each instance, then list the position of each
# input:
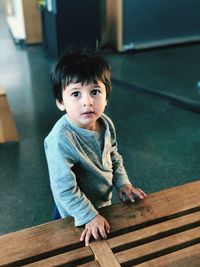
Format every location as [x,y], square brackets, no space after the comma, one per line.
[96,84]
[74,88]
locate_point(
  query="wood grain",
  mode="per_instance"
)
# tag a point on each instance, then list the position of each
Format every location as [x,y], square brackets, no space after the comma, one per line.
[39,242]
[90,264]
[74,257]
[8,130]
[155,208]
[183,258]
[103,254]
[156,231]
[32,22]
[158,247]
[165,224]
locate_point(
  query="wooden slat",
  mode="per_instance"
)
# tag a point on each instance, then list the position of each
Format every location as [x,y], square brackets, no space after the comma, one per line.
[156,248]
[34,242]
[183,258]
[154,207]
[103,254]
[90,264]
[156,231]
[72,257]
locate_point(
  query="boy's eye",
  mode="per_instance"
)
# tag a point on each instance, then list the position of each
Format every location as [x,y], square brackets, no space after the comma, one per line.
[95,92]
[76,94]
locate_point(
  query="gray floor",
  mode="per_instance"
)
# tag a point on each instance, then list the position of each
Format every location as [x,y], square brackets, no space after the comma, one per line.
[154,105]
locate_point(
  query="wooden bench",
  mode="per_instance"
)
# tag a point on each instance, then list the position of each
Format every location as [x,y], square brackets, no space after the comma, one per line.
[8,131]
[162,230]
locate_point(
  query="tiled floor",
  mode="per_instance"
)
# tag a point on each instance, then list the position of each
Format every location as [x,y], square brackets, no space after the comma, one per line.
[158,135]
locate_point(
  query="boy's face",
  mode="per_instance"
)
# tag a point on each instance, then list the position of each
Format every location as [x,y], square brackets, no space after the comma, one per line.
[84,103]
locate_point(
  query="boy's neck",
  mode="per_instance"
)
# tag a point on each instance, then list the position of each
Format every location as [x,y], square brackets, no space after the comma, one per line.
[100,127]
[97,127]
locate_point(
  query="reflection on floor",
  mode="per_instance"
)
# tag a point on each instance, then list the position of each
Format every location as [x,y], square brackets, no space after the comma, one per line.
[158,137]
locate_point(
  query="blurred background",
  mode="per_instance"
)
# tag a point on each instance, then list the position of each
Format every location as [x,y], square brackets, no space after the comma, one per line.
[153,48]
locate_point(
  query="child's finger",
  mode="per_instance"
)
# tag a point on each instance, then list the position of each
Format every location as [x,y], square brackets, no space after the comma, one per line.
[107,227]
[83,234]
[141,191]
[87,237]
[130,196]
[138,192]
[102,232]
[95,233]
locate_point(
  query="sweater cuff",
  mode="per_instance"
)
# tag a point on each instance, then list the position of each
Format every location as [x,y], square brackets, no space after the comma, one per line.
[88,217]
[121,181]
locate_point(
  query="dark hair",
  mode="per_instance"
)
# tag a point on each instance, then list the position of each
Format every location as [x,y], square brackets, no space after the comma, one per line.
[80,65]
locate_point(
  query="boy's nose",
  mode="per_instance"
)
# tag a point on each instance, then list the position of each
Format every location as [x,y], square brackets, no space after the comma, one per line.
[87,101]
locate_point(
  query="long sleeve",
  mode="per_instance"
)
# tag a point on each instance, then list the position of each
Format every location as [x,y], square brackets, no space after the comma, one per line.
[120,176]
[68,197]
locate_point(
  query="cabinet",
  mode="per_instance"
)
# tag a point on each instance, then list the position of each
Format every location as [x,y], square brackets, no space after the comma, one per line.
[24,20]
[66,22]
[138,24]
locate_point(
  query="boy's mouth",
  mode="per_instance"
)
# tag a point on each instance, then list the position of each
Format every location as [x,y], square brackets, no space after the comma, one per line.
[88,112]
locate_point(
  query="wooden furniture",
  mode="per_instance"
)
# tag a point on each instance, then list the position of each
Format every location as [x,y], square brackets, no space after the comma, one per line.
[8,131]
[162,230]
[24,20]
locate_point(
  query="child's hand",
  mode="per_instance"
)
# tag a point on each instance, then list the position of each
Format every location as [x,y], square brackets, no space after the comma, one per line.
[130,191]
[97,227]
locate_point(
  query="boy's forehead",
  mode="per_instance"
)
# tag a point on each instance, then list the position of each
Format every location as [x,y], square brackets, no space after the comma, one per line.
[81,80]
[78,82]
[78,85]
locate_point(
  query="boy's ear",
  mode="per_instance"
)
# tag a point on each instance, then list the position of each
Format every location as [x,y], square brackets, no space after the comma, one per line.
[60,105]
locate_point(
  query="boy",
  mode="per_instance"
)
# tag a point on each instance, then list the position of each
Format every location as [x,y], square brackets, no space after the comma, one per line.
[81,149]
